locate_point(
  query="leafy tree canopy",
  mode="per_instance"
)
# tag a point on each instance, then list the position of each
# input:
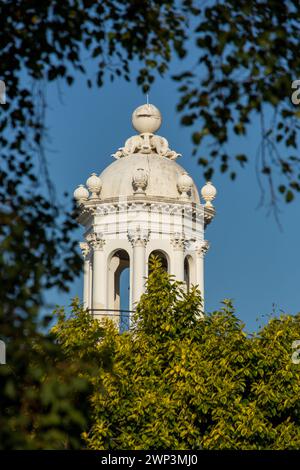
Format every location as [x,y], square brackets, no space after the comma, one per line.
[44,397]
[181,380]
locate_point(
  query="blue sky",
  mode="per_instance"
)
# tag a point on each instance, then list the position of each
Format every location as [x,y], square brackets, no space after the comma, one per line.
[250,259]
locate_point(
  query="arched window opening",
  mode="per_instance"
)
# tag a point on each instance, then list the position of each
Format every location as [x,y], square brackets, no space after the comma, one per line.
[119,288]
[187,279]
[162,257]
[189,272]
[124,288]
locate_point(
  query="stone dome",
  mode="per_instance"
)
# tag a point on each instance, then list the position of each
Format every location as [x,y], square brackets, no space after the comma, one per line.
[146,165]
[162,177]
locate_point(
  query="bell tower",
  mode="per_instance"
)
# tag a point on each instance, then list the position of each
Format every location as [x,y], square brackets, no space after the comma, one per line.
[143,203]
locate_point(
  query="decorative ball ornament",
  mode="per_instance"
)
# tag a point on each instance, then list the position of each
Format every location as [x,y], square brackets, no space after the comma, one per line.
[184,185]
[146,119]
[208,192]
[94,185]
[81,194]
[139,181]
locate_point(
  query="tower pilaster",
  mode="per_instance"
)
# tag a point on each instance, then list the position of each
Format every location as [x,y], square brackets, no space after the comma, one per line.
[201,251]
[178,243]
[85,250]
[99,289]
[138,239]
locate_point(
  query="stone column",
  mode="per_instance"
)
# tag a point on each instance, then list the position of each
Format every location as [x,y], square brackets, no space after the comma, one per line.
[99,289]
[138,239]
[90,303]
[177,261]
[200,253]
[85,249]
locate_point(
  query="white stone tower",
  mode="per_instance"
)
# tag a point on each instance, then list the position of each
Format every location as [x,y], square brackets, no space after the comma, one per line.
[142,203]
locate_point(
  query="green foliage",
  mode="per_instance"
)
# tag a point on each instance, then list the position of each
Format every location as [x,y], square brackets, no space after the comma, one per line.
[181,380]
[44,396]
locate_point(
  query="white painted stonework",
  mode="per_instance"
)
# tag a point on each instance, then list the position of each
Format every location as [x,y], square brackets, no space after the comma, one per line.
[141,203]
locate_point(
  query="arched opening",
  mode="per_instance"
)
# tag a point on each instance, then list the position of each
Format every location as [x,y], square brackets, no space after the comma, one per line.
[124,289]
[119,288]
[163,258]
[189,271]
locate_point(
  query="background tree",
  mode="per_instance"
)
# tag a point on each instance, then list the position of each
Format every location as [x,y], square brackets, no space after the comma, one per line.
[178,380]
[43,400]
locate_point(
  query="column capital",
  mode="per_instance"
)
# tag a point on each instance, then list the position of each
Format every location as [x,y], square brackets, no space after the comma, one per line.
[138,236]
[203,248]
[85,249]
[96,241]
[178,241]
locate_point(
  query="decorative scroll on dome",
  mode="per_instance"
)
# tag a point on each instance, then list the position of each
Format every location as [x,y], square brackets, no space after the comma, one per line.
[146,143]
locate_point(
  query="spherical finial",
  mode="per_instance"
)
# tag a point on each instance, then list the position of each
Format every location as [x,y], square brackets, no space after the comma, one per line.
[208,192]
[81,194]
[94,184]
[146,118]
[184,185]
